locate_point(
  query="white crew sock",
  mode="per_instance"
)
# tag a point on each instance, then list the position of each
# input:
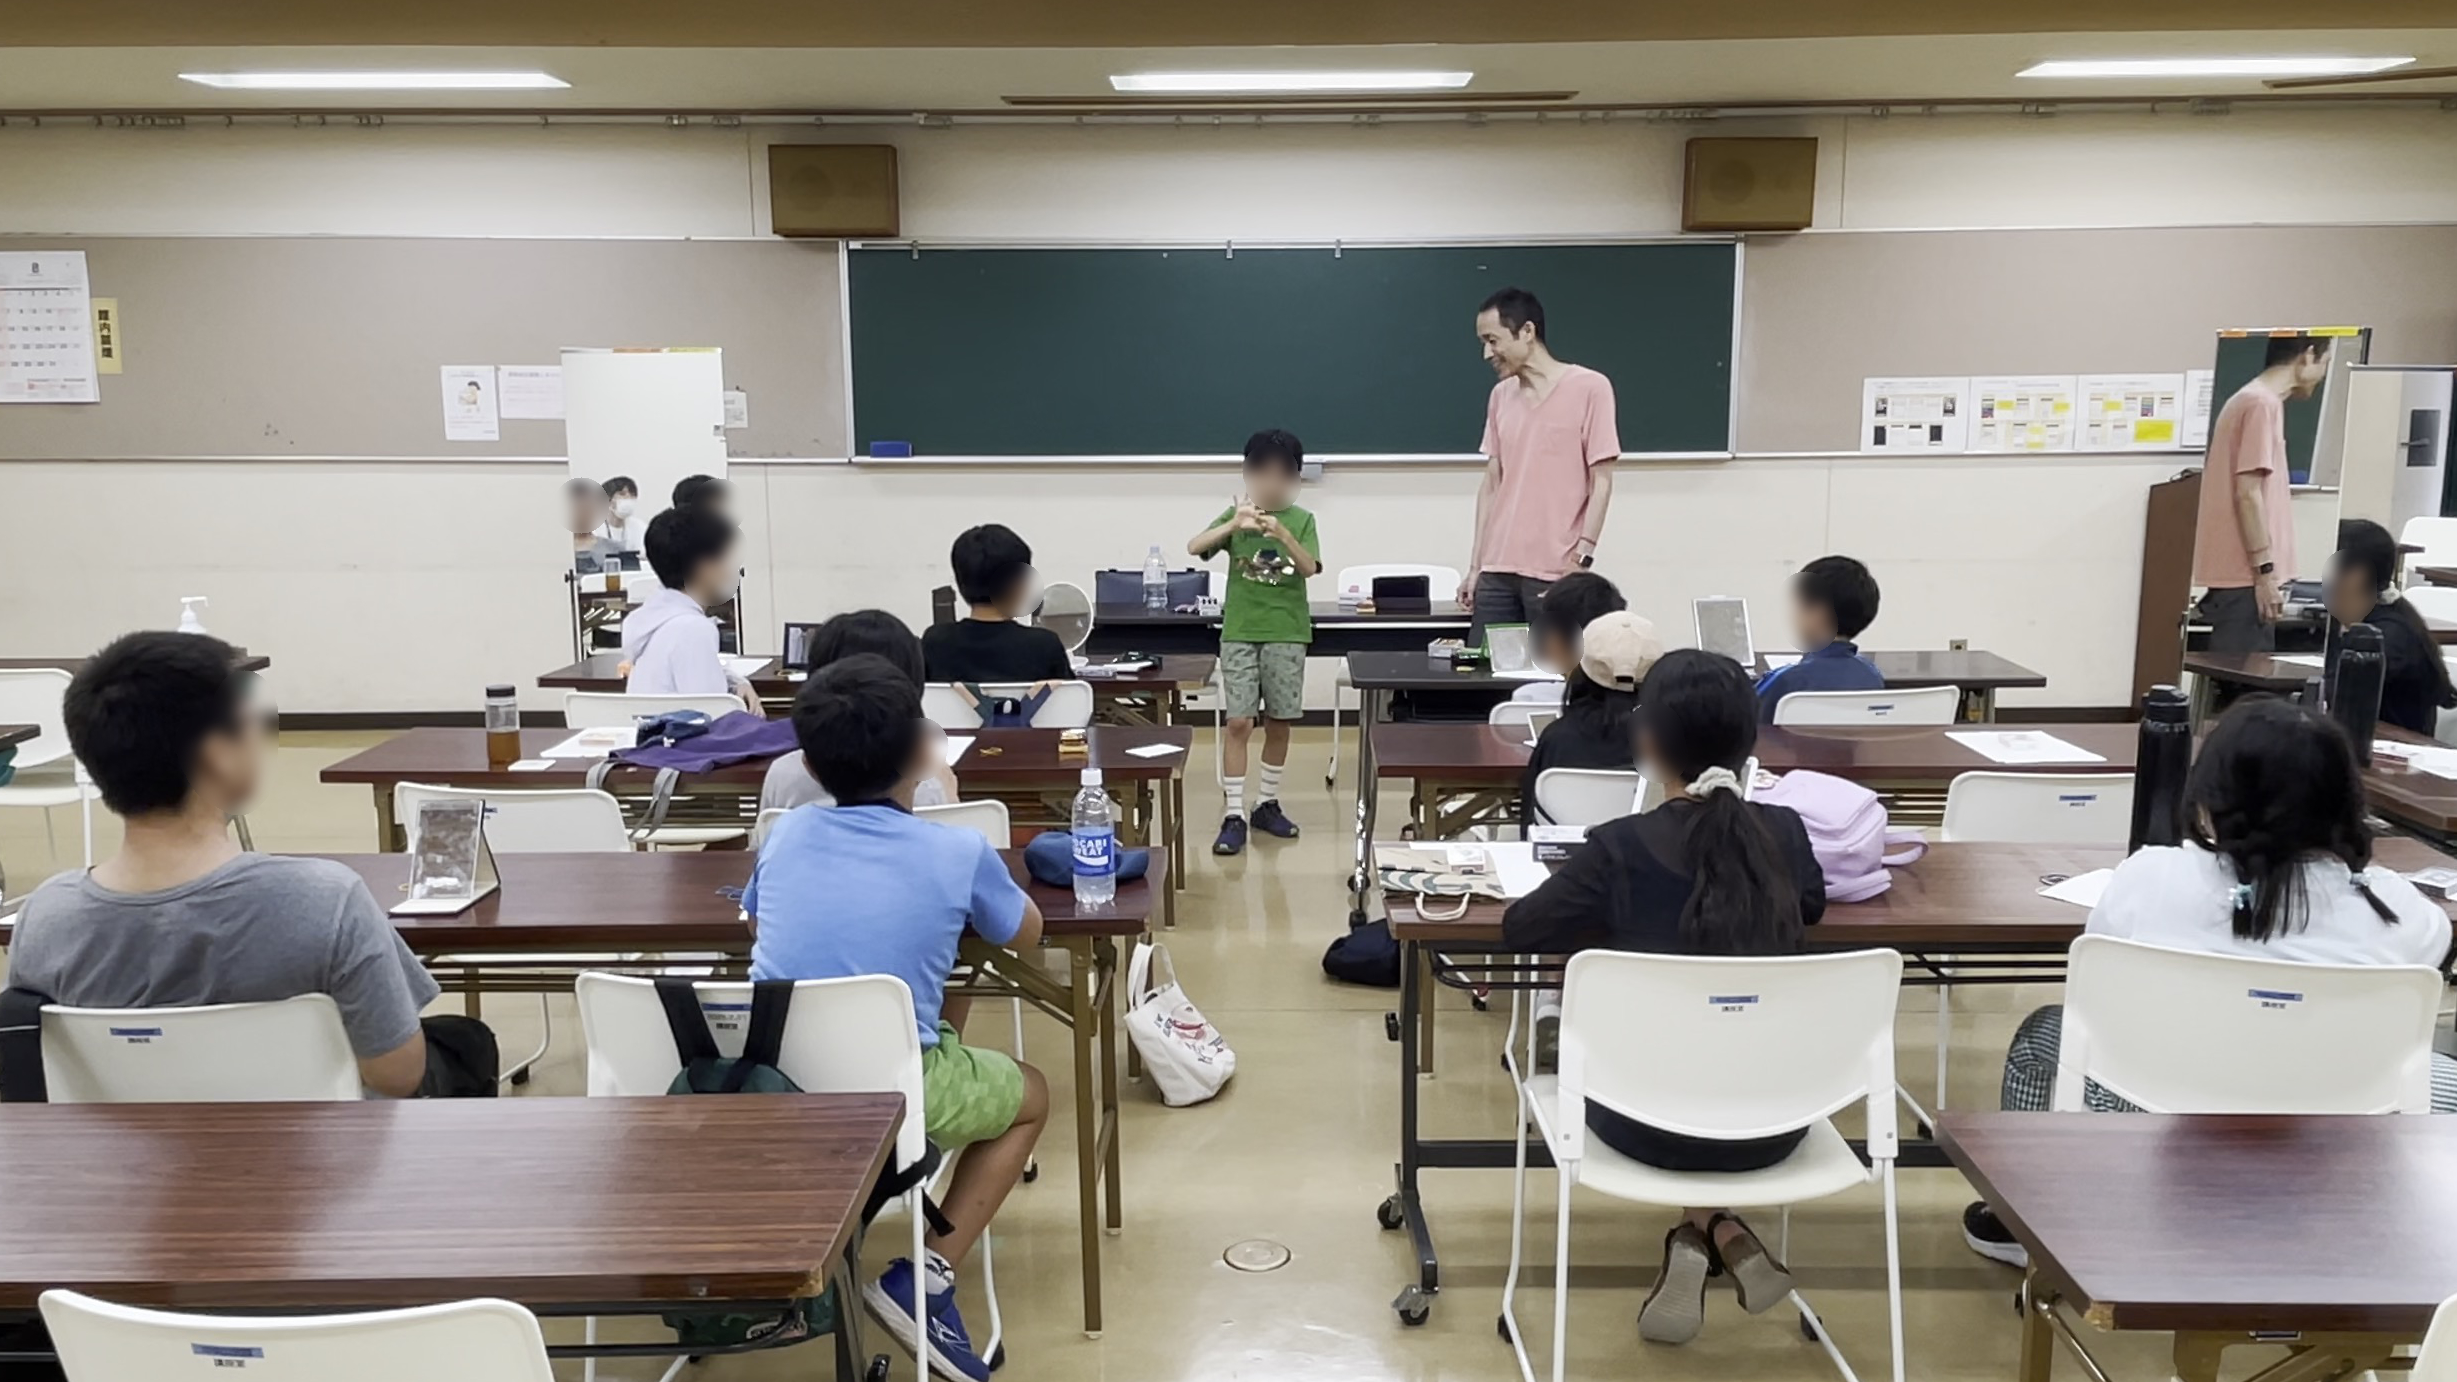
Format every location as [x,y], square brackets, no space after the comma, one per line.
[941,1273]
[1270,783]
[1235,789]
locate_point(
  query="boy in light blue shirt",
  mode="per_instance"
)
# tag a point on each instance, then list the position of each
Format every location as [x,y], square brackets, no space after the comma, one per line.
[867,887]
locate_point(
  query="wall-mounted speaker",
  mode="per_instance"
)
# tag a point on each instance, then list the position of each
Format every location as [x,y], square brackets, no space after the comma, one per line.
[832,191]
[1749,184]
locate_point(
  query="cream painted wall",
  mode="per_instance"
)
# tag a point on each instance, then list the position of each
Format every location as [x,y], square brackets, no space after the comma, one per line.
[408,586]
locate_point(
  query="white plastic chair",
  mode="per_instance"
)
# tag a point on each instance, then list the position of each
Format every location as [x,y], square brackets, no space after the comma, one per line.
[1722,1048]
[2181,1031]
[614,709]
[2040,808]
[468,1341]
[1519,713]
[2436,1361]
[989,820]
[842,1036]
[1588,796]
[229,1053]
[1924,705]
[1441,582]
[2434,601]
[2436,536]
[1069,705]
[574,820]
[47,776]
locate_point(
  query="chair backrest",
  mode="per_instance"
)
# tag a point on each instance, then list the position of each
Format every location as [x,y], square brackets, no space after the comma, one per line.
[231,1053]
[2040,808]
[1765,1045]
[1924,705]
[767,822]
[1588,796]
[2436,536]
[573,820]
[33,696]
[2180,1031]
[2433,601]
[468,1341]
[2436,1361]
[1520,713]
[988,819]
[842,1036]
[613,709]
[1442,580]
[1069,705]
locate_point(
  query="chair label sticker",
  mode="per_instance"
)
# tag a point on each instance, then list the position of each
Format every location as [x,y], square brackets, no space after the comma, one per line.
[1731,1002]
[2273,999]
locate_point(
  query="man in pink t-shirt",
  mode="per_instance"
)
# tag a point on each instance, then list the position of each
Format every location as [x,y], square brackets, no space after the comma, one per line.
[1550,437]
[2244,540]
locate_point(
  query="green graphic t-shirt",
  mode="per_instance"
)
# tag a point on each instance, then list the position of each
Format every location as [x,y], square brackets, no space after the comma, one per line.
[1266,596]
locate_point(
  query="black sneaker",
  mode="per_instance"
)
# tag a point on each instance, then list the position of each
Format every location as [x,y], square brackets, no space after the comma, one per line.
[1271,820]
[1232,836]
[1989,1237]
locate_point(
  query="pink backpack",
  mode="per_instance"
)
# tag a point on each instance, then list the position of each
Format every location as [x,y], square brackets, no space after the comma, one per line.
[1847,832]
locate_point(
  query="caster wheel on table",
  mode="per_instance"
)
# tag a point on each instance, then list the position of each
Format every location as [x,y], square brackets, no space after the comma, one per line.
[1390,1026]
[1389,1214]
[1414,1306]
[1032,1171]
[877,1371]
[1808,1331]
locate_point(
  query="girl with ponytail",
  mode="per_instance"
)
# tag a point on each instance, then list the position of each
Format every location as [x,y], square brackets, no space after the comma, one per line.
[1708,873]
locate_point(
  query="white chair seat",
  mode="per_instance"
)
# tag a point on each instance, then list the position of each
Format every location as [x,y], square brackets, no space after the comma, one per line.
[675,835]
[1823,1164]
[46,794]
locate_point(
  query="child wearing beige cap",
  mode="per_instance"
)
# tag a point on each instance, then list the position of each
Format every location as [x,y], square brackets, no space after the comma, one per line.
[1598,705]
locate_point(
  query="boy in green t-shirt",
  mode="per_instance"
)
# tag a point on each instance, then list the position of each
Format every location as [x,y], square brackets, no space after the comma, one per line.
[1265,627]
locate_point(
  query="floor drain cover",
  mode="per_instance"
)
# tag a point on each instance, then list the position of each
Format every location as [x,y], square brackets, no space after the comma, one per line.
[1256,1255]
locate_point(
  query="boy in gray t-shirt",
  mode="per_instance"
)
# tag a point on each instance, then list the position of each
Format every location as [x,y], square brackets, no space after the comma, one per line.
[173,737]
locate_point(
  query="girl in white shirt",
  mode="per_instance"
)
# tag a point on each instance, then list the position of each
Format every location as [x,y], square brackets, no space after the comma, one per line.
[2278,866]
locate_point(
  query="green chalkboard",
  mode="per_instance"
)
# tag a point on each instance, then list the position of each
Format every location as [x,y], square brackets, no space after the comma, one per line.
[2240,359]
[1108,352]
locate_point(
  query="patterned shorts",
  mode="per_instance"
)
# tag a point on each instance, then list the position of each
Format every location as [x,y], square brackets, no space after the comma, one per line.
[1269,677]
[972,1093]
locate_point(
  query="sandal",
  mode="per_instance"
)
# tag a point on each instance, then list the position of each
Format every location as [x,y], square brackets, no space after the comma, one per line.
[1762,1281]
[1675,1310]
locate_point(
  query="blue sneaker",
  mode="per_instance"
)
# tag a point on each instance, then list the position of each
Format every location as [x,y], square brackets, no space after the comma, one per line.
[890,1299]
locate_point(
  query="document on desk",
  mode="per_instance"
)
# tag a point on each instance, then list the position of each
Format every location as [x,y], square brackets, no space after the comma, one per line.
[1527,674]
[1512,863]
[1154,751]
[595,743]
[956,745]
[2312,660]
[2082,889]
[743,667]
[2022,747]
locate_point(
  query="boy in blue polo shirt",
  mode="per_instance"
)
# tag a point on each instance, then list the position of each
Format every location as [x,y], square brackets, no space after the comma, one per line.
[867,887]
[1833,599]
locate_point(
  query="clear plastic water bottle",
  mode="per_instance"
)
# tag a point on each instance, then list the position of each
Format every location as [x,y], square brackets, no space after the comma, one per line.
[1096,844]
[1155,581]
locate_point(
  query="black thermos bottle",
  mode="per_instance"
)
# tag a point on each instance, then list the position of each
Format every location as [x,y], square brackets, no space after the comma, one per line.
[2354,686]
[2159,768]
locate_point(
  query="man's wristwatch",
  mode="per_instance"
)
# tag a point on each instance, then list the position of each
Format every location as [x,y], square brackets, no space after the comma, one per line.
[1587,562]
[2267,568]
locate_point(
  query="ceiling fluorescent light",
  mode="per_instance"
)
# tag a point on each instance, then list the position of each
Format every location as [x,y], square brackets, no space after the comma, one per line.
[2212,67]
[1245,83]
[376,81]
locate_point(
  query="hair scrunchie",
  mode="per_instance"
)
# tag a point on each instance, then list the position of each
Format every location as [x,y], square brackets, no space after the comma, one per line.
[1715,780]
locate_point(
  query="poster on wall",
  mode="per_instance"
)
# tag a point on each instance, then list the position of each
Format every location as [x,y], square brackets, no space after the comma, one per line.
[2022,412]
[2200,398]
[46,328]
[469,403]
[1914,416]
[2132,412]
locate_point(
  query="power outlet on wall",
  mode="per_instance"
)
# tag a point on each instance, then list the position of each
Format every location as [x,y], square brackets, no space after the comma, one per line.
[1959,645]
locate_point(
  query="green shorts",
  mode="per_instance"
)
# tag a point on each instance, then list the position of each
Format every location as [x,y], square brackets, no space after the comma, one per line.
[971,1094]
[1269,677]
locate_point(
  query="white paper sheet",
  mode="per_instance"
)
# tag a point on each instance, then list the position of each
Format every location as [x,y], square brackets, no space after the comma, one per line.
[2082,889]
[1513,863]
[469,403]
[2200,388]
[1154,751]
[2131,412]
[2023,412]
[2301,659]
[46,329]
[2022,746]
[1528,674]
[956,745]
[1917,416]
[743,667]
[595,743]
[533,765]
[737,410]
[529,391]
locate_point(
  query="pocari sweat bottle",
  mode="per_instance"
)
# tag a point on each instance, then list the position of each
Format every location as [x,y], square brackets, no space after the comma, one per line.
[1096,844]
[1155,581]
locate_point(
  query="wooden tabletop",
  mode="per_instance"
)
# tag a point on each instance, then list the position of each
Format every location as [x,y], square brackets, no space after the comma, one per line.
[2261,671]
[1963,897]
[457,757]
[2397,790]
[1323,612]
[1970,670]
[245,662]
[17,734]
[600,672]
[2225,1223]
[2437,575]
[1473,754]
[412,1201]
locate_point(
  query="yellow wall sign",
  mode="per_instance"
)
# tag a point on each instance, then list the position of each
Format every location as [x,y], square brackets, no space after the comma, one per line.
[107,342]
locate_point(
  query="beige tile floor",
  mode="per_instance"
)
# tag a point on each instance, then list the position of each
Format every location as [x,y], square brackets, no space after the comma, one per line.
[1299,1150]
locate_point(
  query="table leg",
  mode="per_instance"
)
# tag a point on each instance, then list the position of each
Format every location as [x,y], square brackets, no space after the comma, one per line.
[850,1363]
[1983,704]
[1427,994]
[385,830]
[1406,1207]
[2038,1338]
[1084,1026]
[2197,1356]
[469,992]
[1369,706]
[1106,999]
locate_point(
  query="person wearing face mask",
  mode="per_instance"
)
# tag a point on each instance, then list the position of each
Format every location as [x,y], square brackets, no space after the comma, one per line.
[994,576]
[623,527]
[669,642]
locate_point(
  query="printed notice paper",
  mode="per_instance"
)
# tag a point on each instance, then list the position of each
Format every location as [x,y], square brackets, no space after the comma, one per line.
[2199,387]
[46,328]
[2132,412]
[1914,415]
[2029,412]
[529,391]
[2023,746]
[469,403]
[2082,889]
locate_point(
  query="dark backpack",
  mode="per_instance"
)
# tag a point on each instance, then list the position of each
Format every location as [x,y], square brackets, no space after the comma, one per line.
[1005,712]
[1366,955]
[21,1047]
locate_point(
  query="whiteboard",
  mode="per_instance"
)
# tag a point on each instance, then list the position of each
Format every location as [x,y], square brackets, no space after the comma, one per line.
[654,415]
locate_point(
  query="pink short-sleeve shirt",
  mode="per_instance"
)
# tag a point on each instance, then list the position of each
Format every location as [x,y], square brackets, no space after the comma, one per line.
[1543,451]
[2248,438]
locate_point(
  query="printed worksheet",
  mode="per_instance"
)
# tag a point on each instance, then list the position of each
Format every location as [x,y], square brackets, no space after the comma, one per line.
[46,328]
[2027,747]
